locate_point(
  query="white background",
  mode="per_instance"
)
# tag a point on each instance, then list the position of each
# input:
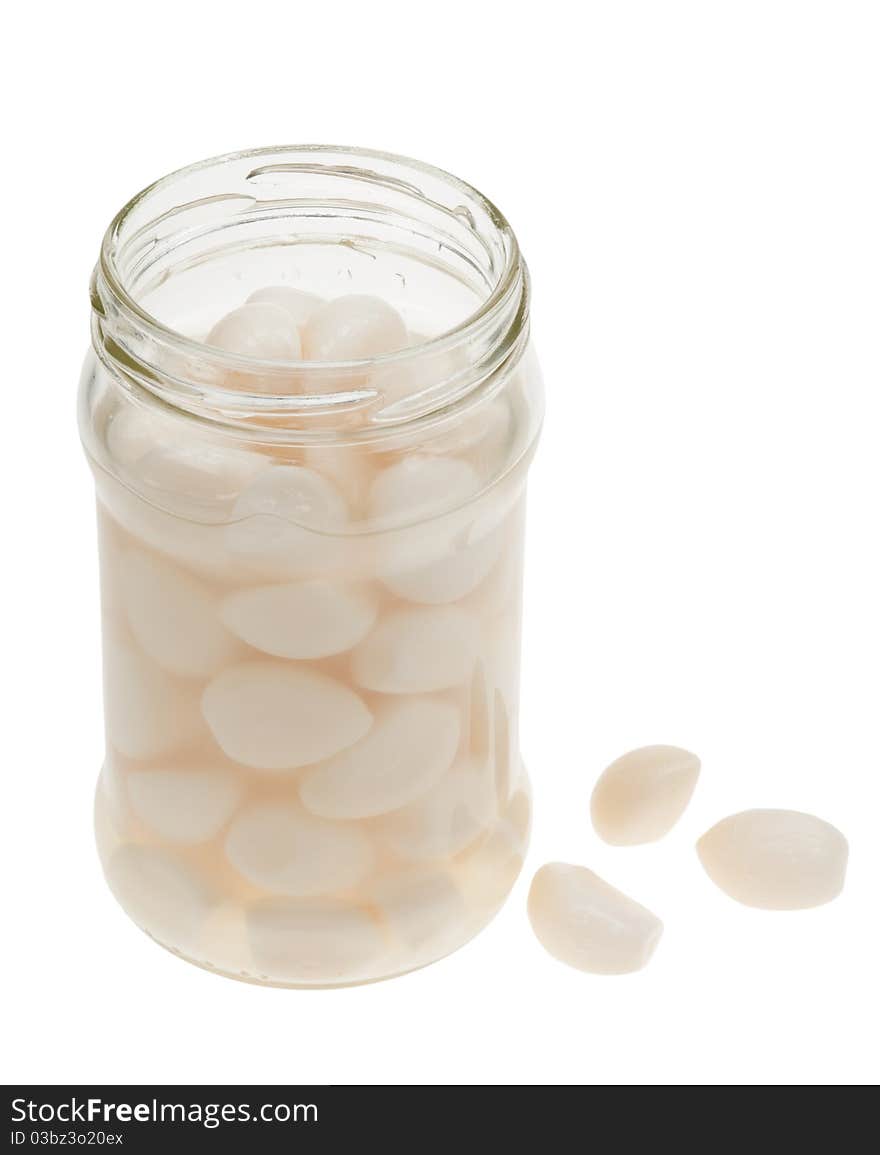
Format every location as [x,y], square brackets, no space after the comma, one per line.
[696,189]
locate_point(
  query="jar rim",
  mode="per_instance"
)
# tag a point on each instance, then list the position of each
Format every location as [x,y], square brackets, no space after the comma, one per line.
[511,276]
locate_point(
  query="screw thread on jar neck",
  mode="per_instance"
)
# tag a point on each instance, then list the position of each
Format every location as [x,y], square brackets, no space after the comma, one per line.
[435,242]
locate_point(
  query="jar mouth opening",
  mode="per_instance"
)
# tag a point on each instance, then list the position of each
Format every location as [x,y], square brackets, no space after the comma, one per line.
[114,294]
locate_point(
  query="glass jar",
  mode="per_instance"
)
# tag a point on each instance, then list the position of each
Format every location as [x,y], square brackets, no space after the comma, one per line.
[311,570]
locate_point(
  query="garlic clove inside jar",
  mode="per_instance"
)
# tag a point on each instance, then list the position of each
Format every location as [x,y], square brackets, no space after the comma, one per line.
[311,593]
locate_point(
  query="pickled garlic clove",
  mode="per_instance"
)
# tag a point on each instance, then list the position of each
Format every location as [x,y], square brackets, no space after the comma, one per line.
[440,582]
[446,819]
[353,328]
[320,941]
[642,794]
[201,548]
[133,430]
[260,329]
[411,746]
[186,804]
[350,468]
[417,650]
[177,463]
[308,619]
[775,859]
[420,486]
[174,616]
[223,944]
[278,847]
[198,479]
[481,435]
[424,911]
[276,716]
[299,305]
[587,924]
[486,871]
[283,525]
[446,542]
[149,713]
[294,494]
[162,894]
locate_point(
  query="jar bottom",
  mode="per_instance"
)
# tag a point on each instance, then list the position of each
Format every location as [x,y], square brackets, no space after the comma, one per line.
[484,873]
[256,981]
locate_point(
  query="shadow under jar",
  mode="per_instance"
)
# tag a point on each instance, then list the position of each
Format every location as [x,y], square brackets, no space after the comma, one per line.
[311,570]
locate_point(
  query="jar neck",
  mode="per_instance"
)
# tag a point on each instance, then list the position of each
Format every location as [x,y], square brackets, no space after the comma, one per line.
[203,226]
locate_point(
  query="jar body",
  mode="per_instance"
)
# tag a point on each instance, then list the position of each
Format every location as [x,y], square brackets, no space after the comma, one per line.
[311,664]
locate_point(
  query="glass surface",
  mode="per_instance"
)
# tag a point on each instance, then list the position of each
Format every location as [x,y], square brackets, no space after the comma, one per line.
[311,572]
